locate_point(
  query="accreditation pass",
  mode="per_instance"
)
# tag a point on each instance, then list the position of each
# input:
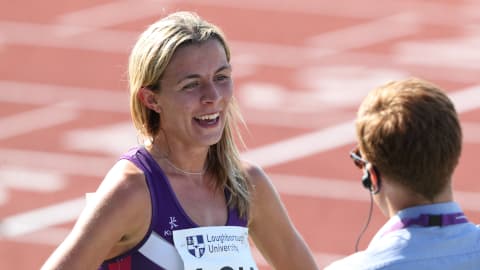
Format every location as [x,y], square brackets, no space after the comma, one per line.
[214,248]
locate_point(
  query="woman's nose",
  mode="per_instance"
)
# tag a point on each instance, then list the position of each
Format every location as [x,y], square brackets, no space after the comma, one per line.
[211,93]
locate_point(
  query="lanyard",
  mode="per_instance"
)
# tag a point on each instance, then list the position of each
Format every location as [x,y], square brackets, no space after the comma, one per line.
[428,220]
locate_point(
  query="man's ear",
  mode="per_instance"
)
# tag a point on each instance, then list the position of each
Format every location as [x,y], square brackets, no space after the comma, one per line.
[149,99]
[374,178]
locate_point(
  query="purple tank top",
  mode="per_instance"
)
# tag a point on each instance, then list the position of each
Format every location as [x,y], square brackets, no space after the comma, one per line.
[167,214]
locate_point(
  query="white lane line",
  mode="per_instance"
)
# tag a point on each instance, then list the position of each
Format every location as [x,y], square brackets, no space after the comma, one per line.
[277,55]
[468,200]
[315,187]
[100,139]
[279,119]
[303,145]
[48,236]
[28,121]
[40,218]
[85,98]
[113,13]
[4,195]
[467,99]
[451,52]
[3,43]
[53,36]
[336,189]
[28,179]
[274,154]
[370,33]
[471,132]
[69,164]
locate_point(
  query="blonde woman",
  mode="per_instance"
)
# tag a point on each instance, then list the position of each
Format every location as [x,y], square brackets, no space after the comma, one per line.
[184,200]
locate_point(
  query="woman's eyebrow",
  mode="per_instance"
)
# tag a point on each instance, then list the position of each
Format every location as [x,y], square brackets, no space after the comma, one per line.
[227,66]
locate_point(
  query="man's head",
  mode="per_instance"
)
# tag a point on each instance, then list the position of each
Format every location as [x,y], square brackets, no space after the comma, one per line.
[410,132]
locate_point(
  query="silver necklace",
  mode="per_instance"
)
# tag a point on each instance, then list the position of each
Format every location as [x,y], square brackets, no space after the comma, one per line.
[183,171]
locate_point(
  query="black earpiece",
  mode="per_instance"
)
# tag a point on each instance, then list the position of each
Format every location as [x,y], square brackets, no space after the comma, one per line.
[367,180]
[369,171]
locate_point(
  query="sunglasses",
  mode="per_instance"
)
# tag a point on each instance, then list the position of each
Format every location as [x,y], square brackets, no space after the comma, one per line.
[357,158]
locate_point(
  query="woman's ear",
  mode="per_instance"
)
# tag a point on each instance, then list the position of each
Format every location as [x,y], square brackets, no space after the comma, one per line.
[149,99]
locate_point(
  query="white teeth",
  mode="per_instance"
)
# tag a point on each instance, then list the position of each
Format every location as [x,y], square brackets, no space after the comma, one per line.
[208,116]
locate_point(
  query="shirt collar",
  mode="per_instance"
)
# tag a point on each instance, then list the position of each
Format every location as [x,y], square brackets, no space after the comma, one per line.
[434,209]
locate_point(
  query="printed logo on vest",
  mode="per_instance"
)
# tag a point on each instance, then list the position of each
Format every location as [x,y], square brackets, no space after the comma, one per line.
[173,223]
[196,245]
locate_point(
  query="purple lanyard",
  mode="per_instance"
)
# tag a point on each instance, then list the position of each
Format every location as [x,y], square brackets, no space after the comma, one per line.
[427,220]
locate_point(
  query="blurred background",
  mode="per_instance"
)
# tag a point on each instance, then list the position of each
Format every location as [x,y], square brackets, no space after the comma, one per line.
[301,69]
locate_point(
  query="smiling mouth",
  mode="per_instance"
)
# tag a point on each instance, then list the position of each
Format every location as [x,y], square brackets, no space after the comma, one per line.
[208,119]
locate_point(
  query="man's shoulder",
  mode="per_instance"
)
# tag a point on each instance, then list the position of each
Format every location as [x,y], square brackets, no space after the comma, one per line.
[368,261]
[402,250]
[386,254]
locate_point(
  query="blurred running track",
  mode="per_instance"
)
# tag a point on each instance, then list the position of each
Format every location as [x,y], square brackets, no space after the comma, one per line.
[301,69]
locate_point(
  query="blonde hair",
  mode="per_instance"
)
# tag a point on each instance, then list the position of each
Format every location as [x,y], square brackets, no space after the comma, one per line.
[410,131]
[149,59]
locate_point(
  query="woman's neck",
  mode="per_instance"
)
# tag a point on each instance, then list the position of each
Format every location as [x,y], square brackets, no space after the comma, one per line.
[182,161]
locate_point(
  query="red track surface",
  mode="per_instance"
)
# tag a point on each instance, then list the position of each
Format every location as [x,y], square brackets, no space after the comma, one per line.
[301,67]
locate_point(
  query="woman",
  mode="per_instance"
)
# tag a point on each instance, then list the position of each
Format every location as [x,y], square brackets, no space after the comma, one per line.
[184,200]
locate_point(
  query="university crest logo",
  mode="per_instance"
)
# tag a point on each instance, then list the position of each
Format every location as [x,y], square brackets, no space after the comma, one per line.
[196,245]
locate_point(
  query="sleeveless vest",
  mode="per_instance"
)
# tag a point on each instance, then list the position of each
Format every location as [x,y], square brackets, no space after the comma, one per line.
[156,251]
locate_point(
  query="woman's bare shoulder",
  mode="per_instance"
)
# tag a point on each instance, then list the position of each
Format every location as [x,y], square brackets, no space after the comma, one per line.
[252,169]
[124,184]
[118,210]
[257,177]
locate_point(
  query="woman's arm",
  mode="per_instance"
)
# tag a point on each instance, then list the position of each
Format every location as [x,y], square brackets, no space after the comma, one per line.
[271,229]
[116,219]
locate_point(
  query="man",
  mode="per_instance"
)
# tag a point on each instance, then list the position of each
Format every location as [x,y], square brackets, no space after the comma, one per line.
[409,143]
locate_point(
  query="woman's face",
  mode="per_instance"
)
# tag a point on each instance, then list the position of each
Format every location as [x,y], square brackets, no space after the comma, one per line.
[195,92]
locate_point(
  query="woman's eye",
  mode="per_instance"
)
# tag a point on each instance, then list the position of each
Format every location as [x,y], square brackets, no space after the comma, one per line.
[221,78]
[191,85]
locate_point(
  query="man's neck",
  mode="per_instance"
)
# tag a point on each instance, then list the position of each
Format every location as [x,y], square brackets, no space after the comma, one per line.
[401,199]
